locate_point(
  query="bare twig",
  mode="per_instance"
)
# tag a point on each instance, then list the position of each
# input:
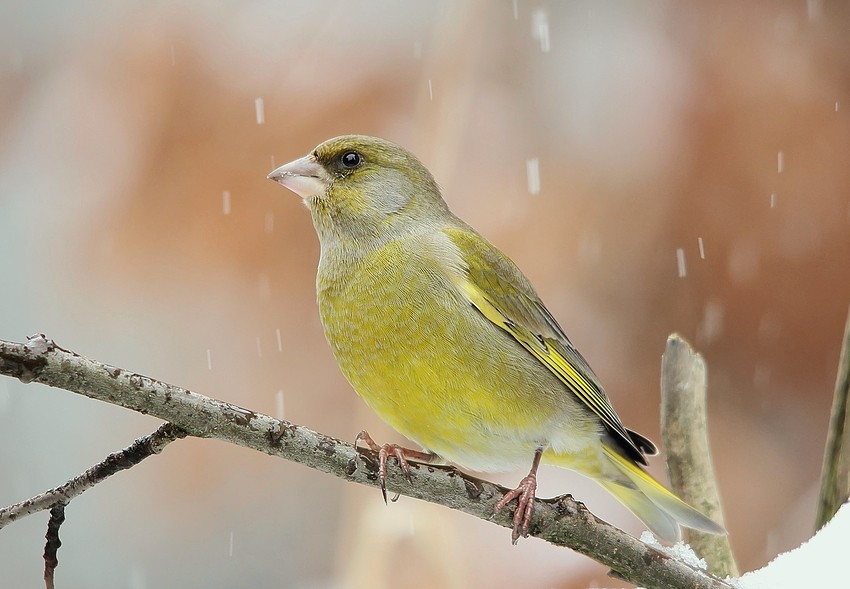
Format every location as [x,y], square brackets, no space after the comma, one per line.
[561,521]
[685,436]
[835,475]
[51,546]
[130,456]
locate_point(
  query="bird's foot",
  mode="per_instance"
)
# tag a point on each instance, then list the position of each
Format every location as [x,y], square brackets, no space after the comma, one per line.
[400,453]
[524,494]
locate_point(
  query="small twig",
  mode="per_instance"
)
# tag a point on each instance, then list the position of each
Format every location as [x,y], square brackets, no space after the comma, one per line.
[835,475]
[123,459]
[51,547]
[685,437]
[561,521]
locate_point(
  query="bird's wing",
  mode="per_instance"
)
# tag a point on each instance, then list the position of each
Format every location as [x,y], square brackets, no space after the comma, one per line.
[497,288]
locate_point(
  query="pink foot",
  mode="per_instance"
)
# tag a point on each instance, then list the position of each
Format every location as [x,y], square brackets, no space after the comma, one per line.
[524,494]
[385,451]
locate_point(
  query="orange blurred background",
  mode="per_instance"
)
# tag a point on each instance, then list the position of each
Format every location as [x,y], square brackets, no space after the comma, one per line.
[694,176]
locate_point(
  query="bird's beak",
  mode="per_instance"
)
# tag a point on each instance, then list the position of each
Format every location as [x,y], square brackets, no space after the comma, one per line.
[305,177]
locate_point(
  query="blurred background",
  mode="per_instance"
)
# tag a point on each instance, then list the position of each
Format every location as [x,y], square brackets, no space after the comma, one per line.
[652,167]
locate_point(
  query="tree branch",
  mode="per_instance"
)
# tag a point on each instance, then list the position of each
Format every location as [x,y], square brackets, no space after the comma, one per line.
[684,431]
[561,520]
[835,476]
[52,544]
[117,461]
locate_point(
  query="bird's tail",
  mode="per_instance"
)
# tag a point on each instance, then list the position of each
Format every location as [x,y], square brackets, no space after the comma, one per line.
[661,510]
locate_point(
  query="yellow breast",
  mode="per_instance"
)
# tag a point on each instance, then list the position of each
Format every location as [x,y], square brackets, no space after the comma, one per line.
[429,364]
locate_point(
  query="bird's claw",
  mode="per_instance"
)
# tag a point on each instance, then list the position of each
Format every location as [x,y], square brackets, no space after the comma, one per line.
[384,452]
[524,494]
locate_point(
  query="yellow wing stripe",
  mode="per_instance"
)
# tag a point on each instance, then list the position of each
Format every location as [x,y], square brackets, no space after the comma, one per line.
[549,357]
[580,386]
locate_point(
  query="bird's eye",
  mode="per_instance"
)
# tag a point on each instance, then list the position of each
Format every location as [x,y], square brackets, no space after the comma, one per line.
[351,159]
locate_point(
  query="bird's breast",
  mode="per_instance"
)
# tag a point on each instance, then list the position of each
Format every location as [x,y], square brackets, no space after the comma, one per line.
[430,364]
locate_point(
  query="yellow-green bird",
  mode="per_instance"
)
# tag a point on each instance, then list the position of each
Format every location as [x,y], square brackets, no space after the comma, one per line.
[443,336]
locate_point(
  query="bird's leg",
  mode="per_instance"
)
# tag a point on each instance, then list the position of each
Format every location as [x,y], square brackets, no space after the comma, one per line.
[401,455]
[524,494]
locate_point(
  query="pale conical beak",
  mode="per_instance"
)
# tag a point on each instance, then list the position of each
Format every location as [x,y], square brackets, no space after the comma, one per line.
[305,177]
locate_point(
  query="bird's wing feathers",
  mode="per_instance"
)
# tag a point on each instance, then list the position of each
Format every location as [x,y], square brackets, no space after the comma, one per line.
[496,287]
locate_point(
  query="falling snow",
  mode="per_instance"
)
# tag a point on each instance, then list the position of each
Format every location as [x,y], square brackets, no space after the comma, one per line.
[711,325]
[209,359]
[532,170]
[540,28]
[279,340]
[814,9]
[680,261]
[269,224]
[280,406]
[430,90]
[226,202]
[260,109]
[701,248]
[780,162]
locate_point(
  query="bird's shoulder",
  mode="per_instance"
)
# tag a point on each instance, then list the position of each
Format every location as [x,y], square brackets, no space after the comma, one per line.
[493,273]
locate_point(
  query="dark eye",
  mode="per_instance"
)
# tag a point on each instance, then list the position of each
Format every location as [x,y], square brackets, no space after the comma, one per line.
[351,159]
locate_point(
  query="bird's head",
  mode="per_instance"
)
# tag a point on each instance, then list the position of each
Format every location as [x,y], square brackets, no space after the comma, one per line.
[362,189]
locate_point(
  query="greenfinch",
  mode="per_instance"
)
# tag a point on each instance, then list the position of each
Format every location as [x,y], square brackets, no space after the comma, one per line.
[443,336]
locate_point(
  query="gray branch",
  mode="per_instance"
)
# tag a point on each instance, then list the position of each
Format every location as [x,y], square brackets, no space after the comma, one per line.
[117,461]
[685,436]
[835,477]
[562,520]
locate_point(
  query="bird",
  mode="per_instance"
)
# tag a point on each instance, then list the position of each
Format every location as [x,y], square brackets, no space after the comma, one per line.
[443,336]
